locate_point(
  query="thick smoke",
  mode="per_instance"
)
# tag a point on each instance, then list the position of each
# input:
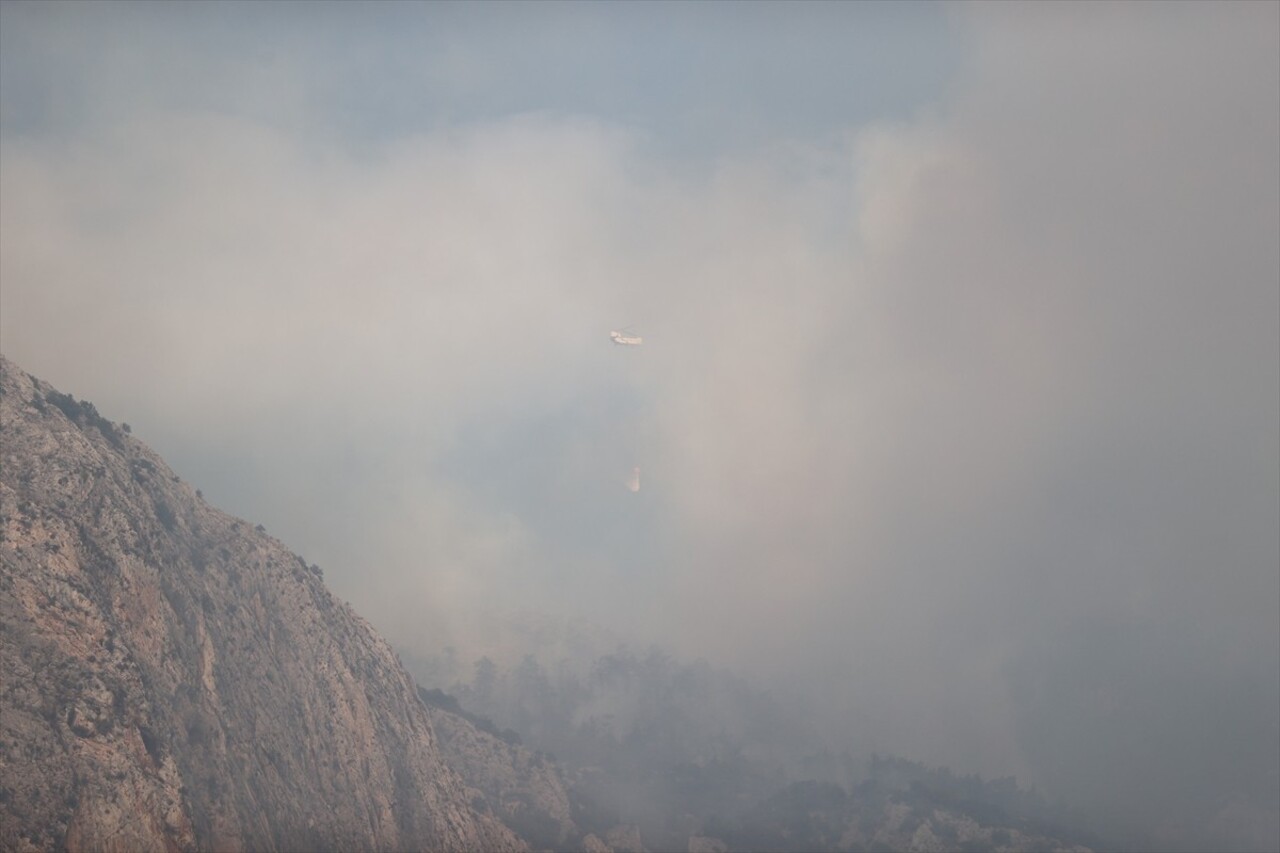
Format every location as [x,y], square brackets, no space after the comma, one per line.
[963,426]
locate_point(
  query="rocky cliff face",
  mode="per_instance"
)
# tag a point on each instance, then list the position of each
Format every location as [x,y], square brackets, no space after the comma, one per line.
[522,787]
[172,678]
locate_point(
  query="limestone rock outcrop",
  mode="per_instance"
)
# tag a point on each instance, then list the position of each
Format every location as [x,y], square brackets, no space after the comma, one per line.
[172,678]
[522,787]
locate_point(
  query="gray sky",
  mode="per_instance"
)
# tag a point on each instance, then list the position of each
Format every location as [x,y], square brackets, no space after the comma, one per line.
[958,407]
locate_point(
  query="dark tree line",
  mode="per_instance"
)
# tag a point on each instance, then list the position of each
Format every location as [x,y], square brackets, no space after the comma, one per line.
[687,749]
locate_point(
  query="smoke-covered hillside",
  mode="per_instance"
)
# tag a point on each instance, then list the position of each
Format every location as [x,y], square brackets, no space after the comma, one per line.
[947,346]
[688,751]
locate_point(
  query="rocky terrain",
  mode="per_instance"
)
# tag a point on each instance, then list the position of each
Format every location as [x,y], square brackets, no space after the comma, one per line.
[172,678]
[522,787]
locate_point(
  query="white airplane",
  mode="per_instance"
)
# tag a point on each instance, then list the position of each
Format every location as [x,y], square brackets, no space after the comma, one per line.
[625,340]
[633,484]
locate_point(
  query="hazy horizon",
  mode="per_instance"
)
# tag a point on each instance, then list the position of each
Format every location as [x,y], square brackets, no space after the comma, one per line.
[958,410]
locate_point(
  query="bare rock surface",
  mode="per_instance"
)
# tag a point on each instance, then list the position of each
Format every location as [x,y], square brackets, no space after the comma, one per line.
[172,678]
[522,787]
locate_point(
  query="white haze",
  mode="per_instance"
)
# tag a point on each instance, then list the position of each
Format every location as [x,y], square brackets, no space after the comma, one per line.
[964,424]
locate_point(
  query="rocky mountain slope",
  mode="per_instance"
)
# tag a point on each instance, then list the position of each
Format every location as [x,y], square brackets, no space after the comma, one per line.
[172,678]
[522,787]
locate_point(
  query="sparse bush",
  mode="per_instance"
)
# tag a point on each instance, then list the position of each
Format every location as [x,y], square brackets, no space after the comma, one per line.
[84,414]
[151,743]
[439,699]
[166,515]
[200,727]
[537,827]
[66,404]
